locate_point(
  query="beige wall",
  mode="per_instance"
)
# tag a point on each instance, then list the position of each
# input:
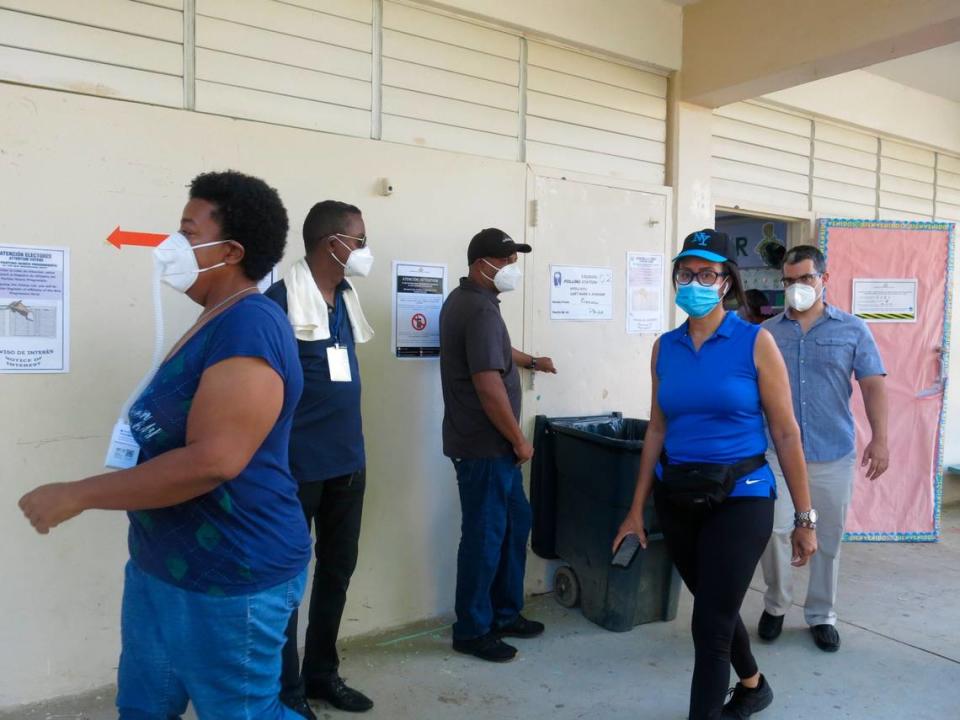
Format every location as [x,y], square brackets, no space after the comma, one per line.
[75,167]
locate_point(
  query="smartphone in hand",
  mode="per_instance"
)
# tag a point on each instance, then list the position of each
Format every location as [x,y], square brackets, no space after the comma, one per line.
[627,551]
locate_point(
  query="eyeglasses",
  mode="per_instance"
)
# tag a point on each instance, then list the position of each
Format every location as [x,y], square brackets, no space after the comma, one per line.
[707,277]
[808,279]
[361,241]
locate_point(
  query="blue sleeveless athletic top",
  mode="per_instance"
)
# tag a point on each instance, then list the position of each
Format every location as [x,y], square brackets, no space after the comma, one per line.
[711,401]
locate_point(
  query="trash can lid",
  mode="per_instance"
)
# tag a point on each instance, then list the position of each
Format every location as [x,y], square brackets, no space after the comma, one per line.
[613,431]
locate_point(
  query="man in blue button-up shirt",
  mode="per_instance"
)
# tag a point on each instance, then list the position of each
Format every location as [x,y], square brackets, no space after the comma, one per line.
[823,347]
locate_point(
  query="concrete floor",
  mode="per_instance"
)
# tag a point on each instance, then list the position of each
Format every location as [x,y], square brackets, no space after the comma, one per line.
[900,625]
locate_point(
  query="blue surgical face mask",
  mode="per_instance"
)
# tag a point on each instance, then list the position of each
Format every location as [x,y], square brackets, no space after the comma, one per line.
[696,300]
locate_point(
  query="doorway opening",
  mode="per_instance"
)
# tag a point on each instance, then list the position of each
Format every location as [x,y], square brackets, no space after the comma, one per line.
[761,242]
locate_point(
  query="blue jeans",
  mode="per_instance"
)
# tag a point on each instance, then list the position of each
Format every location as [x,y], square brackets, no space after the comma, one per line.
[221,653]
[496,521]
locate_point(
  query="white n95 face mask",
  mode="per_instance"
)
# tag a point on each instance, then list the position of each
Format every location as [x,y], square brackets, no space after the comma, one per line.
[800,297]
[359,262]
[178,263]
[506,278]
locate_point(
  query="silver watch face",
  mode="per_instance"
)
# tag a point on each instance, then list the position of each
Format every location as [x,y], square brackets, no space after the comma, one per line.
[808,516]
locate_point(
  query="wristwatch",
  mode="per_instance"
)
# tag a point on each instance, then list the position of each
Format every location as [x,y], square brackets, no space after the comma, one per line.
[807,519]
[533,363]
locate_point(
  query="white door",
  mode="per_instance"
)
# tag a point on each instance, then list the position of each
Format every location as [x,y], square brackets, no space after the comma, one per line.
[601,367]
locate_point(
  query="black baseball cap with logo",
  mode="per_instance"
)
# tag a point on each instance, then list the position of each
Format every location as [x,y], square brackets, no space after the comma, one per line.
[709,245]
[493,243]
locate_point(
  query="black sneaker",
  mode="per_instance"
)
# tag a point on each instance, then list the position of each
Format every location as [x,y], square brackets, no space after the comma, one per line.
[335,691]
[301,707]
[826,637]
[520,628]
[770,626]
[486,647]
[747,701]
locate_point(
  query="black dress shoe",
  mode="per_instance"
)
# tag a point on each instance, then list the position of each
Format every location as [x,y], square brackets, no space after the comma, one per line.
[747,701]
[487,647]
[770,626]
[335,691]
[520,628]
[826,637]
[301,707]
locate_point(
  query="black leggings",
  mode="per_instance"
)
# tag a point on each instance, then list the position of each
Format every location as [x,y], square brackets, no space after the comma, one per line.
[716,552]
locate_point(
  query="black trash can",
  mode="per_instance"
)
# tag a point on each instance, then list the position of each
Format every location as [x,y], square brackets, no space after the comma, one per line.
[582,485]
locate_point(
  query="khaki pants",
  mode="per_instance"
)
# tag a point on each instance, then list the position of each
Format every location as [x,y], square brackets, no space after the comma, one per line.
[831,487]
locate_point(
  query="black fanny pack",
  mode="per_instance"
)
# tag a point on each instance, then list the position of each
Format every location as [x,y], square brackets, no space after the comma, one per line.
[693,485]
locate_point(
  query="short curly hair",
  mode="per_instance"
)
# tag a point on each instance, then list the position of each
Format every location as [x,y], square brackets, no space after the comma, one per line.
[250,212]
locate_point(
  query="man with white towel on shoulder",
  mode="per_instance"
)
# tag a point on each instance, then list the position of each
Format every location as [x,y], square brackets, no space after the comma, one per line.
[326,445]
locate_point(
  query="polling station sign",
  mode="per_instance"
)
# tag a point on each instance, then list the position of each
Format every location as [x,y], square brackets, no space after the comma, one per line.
[34,309]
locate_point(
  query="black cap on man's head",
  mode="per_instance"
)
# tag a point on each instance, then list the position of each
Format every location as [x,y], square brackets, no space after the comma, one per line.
[493,243]
[709,245]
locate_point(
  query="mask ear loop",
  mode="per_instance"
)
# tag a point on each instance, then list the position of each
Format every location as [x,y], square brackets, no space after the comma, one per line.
[493,266]
[221,264]
[334,256]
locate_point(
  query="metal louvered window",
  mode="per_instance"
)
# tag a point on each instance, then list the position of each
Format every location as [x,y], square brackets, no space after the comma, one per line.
[449,84]
[112,48]
[760,156]
[390,70]
[948,187]
[595,115]
[303,63]
[776,159]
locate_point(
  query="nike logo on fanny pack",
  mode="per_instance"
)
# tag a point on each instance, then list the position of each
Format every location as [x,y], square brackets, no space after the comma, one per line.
[752,482]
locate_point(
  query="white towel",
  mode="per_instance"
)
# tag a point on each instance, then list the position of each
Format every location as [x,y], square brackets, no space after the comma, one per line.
[307,310]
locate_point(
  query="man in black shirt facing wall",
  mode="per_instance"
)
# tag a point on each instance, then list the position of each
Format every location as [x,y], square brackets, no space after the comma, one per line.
[482,436]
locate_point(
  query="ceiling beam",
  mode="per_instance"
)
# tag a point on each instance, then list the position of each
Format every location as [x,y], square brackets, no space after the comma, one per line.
[739,49]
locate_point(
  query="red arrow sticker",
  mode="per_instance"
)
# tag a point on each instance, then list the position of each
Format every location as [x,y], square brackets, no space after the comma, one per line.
[120,237]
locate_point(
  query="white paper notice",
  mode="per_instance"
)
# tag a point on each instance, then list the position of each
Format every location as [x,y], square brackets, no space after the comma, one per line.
[581,293]
[418,293]
[885,301]
[34,309]
[269,279]
[644,293]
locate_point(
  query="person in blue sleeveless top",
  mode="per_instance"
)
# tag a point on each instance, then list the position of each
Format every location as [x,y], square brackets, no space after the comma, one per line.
[715,379]
[218,543]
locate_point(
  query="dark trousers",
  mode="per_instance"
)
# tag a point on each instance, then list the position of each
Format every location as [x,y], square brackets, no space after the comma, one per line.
[716,552]
[334,508]
[492,559]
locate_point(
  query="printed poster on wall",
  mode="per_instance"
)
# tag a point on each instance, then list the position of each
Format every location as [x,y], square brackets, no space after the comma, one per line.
[885,301]
[581,293]
[34,309]
[418,293]
[644,293]
[269,279]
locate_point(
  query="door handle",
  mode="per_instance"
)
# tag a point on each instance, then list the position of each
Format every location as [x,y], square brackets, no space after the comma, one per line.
[940,385]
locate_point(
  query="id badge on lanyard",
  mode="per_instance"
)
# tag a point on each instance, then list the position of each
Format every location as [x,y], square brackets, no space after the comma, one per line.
[338,359]
[123,451]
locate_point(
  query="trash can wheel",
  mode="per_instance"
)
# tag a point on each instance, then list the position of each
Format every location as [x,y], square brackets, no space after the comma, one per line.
[566,587]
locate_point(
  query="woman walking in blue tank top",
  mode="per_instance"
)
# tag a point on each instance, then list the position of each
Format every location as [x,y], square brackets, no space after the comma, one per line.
[715,379]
